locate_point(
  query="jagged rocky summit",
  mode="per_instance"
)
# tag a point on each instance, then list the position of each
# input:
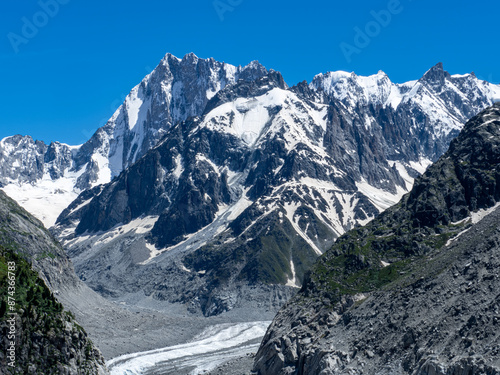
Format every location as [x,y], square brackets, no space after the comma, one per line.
[416,290]
[235,204]
[45,179]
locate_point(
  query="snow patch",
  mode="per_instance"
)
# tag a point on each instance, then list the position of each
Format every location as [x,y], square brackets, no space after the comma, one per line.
[247,116]
[380,198]
[421,166]
[400,167]
[153,253]
[241,205]
[47,198]
[179,168]
[481,214]
[475,218]
[293,280]
[139,226]
[290,215]
[133,104]
[104,174]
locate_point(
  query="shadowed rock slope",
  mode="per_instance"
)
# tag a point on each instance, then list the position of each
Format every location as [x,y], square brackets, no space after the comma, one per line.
[47,339]
[416,290]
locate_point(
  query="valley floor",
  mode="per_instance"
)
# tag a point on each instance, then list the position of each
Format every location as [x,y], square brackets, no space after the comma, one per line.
[153,337]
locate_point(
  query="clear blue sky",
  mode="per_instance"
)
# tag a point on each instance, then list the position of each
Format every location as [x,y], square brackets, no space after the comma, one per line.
[70,74]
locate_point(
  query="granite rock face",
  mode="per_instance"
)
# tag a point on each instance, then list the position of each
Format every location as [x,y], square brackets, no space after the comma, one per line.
[250,192]
[231,178]
[421,116]
[413,292]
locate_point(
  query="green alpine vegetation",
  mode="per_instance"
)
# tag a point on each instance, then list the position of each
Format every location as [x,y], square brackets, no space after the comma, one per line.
[37,335]
[47,339]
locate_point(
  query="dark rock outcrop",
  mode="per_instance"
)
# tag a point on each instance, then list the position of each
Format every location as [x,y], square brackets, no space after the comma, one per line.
[47,339]
[37,335]
[413,292]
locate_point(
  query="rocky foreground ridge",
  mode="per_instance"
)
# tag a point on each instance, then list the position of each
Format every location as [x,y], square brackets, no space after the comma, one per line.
[47,339]
[416,290]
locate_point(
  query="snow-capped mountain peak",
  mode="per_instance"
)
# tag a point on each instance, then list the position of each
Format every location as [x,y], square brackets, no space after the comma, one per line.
[174,91]
[449,100]
[178,89]
[353,89]
[259,184]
